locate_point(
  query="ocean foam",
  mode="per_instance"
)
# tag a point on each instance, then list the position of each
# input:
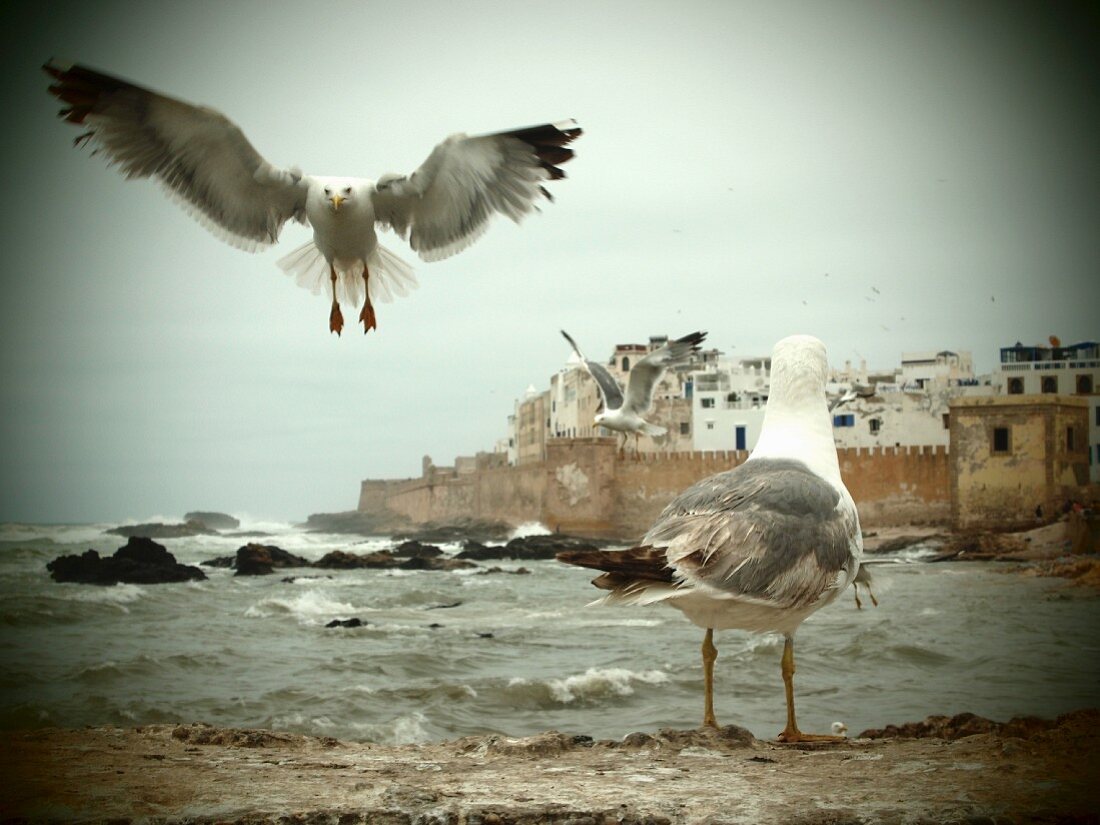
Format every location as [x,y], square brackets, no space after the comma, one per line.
[596,683]
[309,608]
[529,528]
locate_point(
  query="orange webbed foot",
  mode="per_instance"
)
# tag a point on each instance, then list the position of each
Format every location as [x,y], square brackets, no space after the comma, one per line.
[367,318]
[335,319]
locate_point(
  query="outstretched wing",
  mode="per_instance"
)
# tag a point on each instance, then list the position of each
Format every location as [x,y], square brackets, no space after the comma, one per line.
[445,205]
[610,390]
[198,154]
[645,374]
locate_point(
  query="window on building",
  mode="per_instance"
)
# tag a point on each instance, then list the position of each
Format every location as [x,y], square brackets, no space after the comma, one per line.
[1084,384]
[710,425]
[947,421]
[1071,439]
[1050,384]
[876,425]
[1015,386]
[732,398]
[706,403]
[1002,441]
[685,428]
[626,364]
[848,420]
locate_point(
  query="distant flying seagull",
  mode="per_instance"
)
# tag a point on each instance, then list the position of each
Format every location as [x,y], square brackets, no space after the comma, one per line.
[624,414]
[205,162]
[759,547]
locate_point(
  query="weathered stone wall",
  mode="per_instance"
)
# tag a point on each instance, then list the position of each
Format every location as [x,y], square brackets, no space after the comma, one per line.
[893,486]
[1001,490]
[584,488]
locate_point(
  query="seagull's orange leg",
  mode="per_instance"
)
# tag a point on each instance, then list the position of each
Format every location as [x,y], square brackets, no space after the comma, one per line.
[710,653]
[791,733]
[335,316]
[367,315]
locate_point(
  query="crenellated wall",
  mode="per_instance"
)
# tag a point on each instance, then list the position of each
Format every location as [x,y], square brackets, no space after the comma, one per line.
[584,488]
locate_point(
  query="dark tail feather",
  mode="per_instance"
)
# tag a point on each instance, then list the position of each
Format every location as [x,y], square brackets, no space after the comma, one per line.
[646,563]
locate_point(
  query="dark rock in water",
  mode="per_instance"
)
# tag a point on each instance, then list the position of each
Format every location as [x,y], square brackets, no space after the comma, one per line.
[382,560]
[220,561]
[354,522]
[435,626]
[140,561]
[519,571]
[435,563]
[352,622]
[216,521]
[341,560]
[980,547]
[414,549]
[485,635]
[296,579]
[159,530]
[261,559]
[442,606]
[457,531]
[527,548]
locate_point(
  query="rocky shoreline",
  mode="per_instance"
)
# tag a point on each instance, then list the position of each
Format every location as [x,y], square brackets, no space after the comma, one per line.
[962,769]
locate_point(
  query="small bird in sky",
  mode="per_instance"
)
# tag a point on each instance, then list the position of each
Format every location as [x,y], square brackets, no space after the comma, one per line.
[206,163]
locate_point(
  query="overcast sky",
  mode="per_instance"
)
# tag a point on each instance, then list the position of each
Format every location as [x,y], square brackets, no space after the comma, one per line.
[889,176]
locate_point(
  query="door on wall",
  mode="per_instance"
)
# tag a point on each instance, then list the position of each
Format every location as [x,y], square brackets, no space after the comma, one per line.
[740,436]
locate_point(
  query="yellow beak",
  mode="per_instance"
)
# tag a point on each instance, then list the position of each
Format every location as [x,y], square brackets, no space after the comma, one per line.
[336,201]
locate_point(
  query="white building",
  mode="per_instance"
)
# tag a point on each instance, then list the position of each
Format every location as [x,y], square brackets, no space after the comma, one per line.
[727,402]
[912,408]
[904,407]
[1056,370]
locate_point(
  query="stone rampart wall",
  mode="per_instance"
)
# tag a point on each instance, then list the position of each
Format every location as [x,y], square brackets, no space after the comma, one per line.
[585,488]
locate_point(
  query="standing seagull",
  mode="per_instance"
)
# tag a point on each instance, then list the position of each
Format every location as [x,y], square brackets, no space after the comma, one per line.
[759,547]
[625,415]
[206,163]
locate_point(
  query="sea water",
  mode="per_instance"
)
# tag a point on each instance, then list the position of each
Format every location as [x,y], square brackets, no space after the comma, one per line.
[519,653]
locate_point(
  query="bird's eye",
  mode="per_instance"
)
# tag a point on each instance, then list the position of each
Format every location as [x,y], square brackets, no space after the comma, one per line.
[347,190]
[328,191]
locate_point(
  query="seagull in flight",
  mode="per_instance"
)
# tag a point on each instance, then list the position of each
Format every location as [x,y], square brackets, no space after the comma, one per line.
[760,547]
[205,162]
[624,413]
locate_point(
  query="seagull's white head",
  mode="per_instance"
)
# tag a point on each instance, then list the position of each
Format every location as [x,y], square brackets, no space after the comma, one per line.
[598,420]
[799,368]
[336,195]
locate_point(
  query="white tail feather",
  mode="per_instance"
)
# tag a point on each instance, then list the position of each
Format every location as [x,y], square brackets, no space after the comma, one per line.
[653,429]
[390,277]
[639,594]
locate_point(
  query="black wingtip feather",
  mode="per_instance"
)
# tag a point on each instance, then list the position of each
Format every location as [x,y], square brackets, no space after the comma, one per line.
[694,339]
